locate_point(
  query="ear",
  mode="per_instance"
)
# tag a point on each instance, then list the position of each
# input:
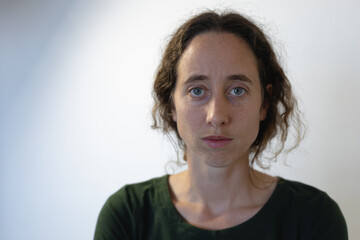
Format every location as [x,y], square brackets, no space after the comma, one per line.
[265,104]
[173,115]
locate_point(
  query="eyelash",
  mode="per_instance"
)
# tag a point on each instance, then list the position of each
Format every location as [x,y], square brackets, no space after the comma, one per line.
[238,88]
[191,91]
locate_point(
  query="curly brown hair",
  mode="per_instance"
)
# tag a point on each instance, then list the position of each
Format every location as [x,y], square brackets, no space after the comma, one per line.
[282,105]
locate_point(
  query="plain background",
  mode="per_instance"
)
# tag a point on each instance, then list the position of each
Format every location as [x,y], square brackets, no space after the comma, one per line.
[75,100]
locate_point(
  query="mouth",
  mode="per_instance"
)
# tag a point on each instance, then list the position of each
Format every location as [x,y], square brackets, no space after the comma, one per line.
[217,141]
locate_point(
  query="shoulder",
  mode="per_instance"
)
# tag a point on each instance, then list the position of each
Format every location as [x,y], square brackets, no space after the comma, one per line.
[300,192]
[137,191]
[120,213]
[305,197]
[133,197]
[318,214]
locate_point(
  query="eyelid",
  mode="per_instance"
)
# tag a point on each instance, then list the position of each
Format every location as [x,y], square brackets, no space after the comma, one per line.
[190,89]
[206,91]
[238,87]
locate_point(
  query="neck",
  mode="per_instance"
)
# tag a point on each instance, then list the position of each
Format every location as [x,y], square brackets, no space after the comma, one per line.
[218,186]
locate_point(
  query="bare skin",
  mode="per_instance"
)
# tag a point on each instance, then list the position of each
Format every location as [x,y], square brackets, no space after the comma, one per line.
[222,202]
[218,95]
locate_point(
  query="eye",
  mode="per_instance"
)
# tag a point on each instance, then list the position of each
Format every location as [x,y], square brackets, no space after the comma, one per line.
[197,92]
[238,91]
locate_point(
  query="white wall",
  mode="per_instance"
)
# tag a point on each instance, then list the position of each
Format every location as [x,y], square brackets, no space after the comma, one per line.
[75,82]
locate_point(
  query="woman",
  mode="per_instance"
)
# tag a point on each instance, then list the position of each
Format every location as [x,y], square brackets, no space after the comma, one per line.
[220,89]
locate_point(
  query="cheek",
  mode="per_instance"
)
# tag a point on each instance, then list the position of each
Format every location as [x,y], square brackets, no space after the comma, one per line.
[189,121]
[249,121]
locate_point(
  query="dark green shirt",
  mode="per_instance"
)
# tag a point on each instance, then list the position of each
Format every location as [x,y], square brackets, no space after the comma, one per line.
[294,211]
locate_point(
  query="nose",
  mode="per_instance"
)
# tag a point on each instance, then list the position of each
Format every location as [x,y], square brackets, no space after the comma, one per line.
[218,112]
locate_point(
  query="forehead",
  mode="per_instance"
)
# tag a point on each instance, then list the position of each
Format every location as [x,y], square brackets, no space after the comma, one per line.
[218,53]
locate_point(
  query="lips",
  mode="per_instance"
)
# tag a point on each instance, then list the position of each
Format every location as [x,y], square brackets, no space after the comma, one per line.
[217,141]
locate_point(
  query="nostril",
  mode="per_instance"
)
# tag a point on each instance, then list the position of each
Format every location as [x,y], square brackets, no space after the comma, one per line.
[216,123]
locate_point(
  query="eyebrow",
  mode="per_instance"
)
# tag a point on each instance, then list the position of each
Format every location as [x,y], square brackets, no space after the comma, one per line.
[198,77]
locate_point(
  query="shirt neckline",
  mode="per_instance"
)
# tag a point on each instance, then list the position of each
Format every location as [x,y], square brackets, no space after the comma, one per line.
[175,217]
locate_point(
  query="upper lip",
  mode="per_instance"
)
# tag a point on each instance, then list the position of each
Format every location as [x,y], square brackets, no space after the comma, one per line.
[217,137]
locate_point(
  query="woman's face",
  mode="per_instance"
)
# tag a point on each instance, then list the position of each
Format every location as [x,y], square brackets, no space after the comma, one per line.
[218,99]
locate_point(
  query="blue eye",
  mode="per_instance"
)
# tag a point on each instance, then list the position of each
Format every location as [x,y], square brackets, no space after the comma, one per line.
[238,91]
[197,92]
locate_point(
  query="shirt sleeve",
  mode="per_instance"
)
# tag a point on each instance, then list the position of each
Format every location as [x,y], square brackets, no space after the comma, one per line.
[115,218]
